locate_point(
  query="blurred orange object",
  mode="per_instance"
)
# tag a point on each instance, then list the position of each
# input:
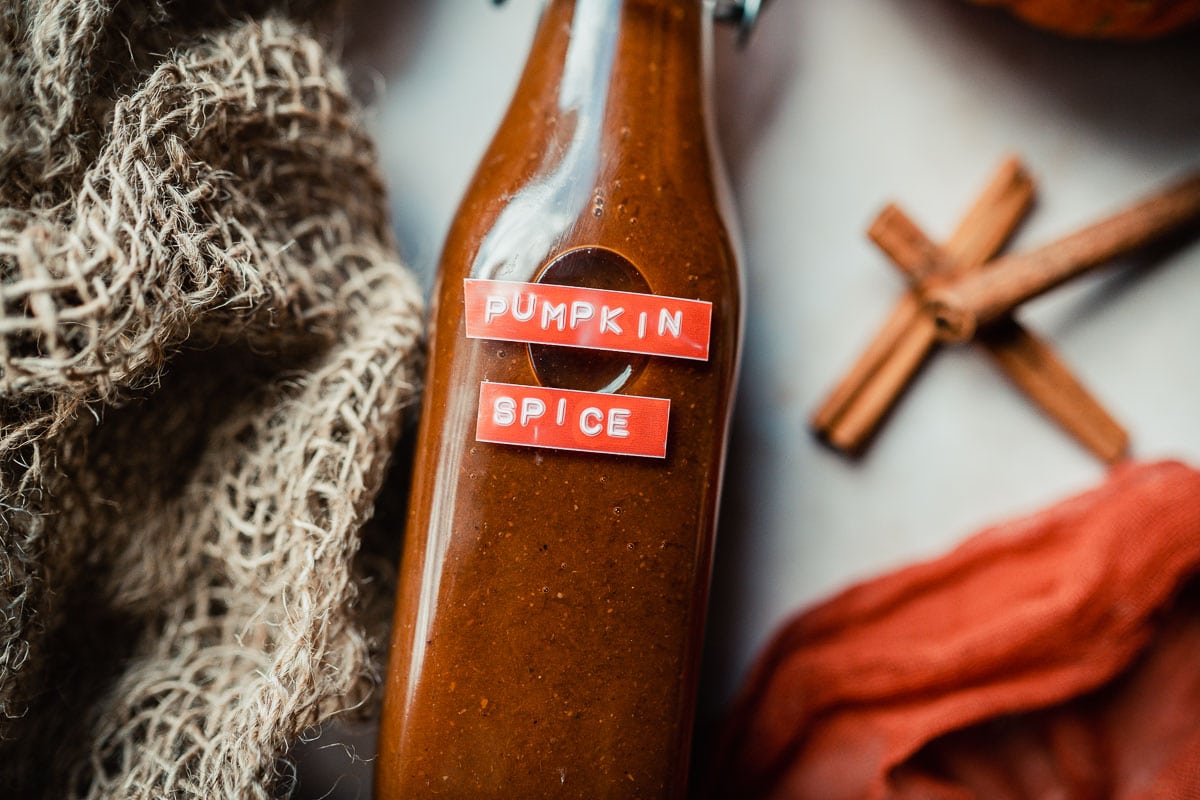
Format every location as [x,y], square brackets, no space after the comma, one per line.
[1053,656]
[1104,19]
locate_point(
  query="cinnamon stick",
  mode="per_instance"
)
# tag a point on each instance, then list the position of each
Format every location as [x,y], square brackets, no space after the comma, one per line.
[1025,359]
[971,301]
[881,390]
[917,258]
[848,390]
[990,222]
[1031,364]
[853,410]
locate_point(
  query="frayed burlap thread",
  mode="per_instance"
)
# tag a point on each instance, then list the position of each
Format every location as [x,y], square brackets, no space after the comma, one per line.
[207,351]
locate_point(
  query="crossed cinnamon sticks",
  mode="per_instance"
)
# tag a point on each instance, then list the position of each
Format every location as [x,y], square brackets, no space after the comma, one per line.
[958,293]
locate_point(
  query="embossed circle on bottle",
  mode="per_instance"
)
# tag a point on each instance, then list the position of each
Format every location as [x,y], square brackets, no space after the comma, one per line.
[581,368]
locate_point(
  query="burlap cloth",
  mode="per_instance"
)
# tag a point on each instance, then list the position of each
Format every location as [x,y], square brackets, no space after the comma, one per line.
[207,346]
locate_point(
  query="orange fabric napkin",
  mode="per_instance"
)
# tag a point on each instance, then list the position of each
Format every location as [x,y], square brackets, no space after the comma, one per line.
[1056,656]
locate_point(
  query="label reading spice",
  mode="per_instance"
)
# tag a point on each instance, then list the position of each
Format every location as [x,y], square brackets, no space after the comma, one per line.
[599,319]
[564,419]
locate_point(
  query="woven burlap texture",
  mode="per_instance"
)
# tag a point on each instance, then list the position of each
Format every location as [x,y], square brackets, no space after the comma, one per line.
[208,348]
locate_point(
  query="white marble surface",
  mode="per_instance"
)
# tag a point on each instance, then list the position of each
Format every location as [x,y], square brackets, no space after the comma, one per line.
[835,108]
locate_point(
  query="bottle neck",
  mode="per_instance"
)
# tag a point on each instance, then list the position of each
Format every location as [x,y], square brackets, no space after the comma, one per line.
[613,100]
[636,65]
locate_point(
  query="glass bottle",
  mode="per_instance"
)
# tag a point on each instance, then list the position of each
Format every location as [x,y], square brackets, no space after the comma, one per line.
[551,606]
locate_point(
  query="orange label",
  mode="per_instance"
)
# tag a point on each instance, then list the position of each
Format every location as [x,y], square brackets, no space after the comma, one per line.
[598,319]
[593,422]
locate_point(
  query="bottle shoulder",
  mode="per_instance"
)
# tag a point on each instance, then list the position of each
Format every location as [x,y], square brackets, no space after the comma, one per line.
[511,229]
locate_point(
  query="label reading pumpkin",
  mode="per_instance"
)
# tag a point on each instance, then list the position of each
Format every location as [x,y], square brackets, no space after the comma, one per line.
[564,419]
[599,319]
